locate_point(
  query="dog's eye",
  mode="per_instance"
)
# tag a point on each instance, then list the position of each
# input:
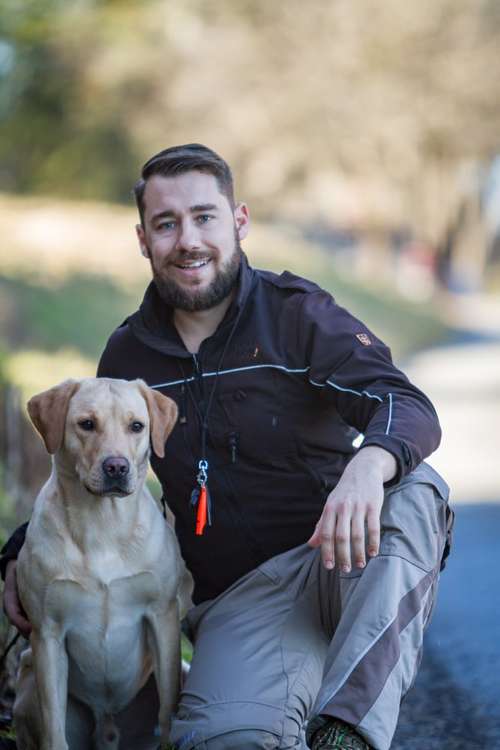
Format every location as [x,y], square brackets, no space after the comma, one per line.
[87,424]
[137,427]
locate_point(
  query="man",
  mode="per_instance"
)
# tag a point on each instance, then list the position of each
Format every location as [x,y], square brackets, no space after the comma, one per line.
[307,625]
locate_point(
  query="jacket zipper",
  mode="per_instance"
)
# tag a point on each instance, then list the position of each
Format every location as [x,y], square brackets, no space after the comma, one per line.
[183,405]
[198,376]
[197,368]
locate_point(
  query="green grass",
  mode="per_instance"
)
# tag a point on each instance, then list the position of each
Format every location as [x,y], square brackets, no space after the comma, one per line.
[186,649]
[7,511]
[80,312]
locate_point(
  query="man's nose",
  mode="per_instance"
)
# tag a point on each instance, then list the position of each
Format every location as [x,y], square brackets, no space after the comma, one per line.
[188,238]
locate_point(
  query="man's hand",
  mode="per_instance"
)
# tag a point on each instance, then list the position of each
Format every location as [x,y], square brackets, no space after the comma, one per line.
[11,603]
[353,506]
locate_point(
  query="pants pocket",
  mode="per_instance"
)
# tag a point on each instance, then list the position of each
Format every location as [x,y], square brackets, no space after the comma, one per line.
[413,523]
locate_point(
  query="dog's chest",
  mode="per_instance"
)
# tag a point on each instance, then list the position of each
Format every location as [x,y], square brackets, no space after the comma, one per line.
[105,635]
[73,603]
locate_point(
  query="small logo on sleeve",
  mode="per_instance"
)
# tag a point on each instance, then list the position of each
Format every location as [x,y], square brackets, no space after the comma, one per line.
[364,338]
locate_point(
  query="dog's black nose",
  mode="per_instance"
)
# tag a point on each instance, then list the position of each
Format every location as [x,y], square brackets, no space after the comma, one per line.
[115,467]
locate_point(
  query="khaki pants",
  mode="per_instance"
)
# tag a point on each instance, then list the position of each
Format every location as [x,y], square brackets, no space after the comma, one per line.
[291,640]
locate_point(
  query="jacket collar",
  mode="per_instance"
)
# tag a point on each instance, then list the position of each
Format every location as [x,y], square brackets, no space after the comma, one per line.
[153,323]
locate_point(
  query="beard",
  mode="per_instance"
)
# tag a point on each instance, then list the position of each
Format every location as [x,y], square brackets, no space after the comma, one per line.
[180,298]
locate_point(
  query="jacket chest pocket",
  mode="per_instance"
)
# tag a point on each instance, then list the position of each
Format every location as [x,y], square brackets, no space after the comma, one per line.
[254,427]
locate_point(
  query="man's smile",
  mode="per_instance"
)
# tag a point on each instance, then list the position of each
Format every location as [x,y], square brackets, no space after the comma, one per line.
[192,270]
[193,263]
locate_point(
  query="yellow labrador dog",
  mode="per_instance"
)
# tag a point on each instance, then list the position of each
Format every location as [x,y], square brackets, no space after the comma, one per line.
[99,572]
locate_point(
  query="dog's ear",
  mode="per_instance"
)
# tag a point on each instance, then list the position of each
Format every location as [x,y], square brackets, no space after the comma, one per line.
[162,416]
[48,412]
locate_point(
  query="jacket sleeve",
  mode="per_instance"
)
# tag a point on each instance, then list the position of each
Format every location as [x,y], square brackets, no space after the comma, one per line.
[12,547]
[355,370]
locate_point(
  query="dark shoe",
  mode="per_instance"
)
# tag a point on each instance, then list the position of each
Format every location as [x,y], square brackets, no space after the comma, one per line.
[336,735]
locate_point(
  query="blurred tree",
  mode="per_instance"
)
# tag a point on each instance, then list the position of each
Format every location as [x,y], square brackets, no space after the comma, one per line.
[55,137]
[373,113]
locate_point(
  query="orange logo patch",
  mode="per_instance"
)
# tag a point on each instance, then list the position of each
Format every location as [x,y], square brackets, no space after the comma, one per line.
[364,338]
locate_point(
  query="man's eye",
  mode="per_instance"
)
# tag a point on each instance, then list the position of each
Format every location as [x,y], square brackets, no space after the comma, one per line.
[137,427]
[87,424]
[204,218]
[167,225]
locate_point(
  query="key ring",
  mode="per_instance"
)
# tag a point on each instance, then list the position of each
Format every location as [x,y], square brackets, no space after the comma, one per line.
[202,473]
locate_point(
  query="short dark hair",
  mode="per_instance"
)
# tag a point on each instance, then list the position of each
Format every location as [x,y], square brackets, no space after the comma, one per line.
[179,159]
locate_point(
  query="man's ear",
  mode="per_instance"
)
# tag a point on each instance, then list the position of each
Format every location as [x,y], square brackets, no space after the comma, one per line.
[141,236]
[242,220]
[48,411]
[162,417]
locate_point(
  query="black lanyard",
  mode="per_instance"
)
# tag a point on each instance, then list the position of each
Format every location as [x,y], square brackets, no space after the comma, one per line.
[200,496]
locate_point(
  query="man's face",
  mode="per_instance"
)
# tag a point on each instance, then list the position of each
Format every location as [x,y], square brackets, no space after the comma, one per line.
[192,237]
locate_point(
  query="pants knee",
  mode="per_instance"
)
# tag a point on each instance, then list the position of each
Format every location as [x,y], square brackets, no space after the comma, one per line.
[226,725]
[228,739]
[243,739]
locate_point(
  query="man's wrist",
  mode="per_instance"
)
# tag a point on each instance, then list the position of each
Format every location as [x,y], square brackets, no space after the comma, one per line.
[377,459]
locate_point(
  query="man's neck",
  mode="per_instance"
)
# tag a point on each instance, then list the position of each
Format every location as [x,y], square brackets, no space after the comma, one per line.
[195,327]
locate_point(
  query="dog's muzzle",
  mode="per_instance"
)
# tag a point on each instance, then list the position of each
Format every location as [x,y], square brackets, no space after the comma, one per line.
[116,471]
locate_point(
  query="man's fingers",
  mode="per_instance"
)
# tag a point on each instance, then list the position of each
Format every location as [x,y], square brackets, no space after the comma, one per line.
[20,621]
[15,613]
[326,528]
[344,532]
[315,539]
[343,539]
[12,604]
[358,540]
[373,523]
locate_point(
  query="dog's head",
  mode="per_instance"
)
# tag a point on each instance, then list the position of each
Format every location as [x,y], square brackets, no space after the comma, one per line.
[103,428]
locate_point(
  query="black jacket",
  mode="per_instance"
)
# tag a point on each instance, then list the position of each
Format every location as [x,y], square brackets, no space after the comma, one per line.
[291,379]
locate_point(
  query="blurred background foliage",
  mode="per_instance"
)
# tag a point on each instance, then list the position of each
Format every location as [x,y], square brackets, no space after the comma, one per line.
[364,113]
[364,134]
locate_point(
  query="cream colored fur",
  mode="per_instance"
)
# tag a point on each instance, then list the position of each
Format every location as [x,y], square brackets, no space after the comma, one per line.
[100,569]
